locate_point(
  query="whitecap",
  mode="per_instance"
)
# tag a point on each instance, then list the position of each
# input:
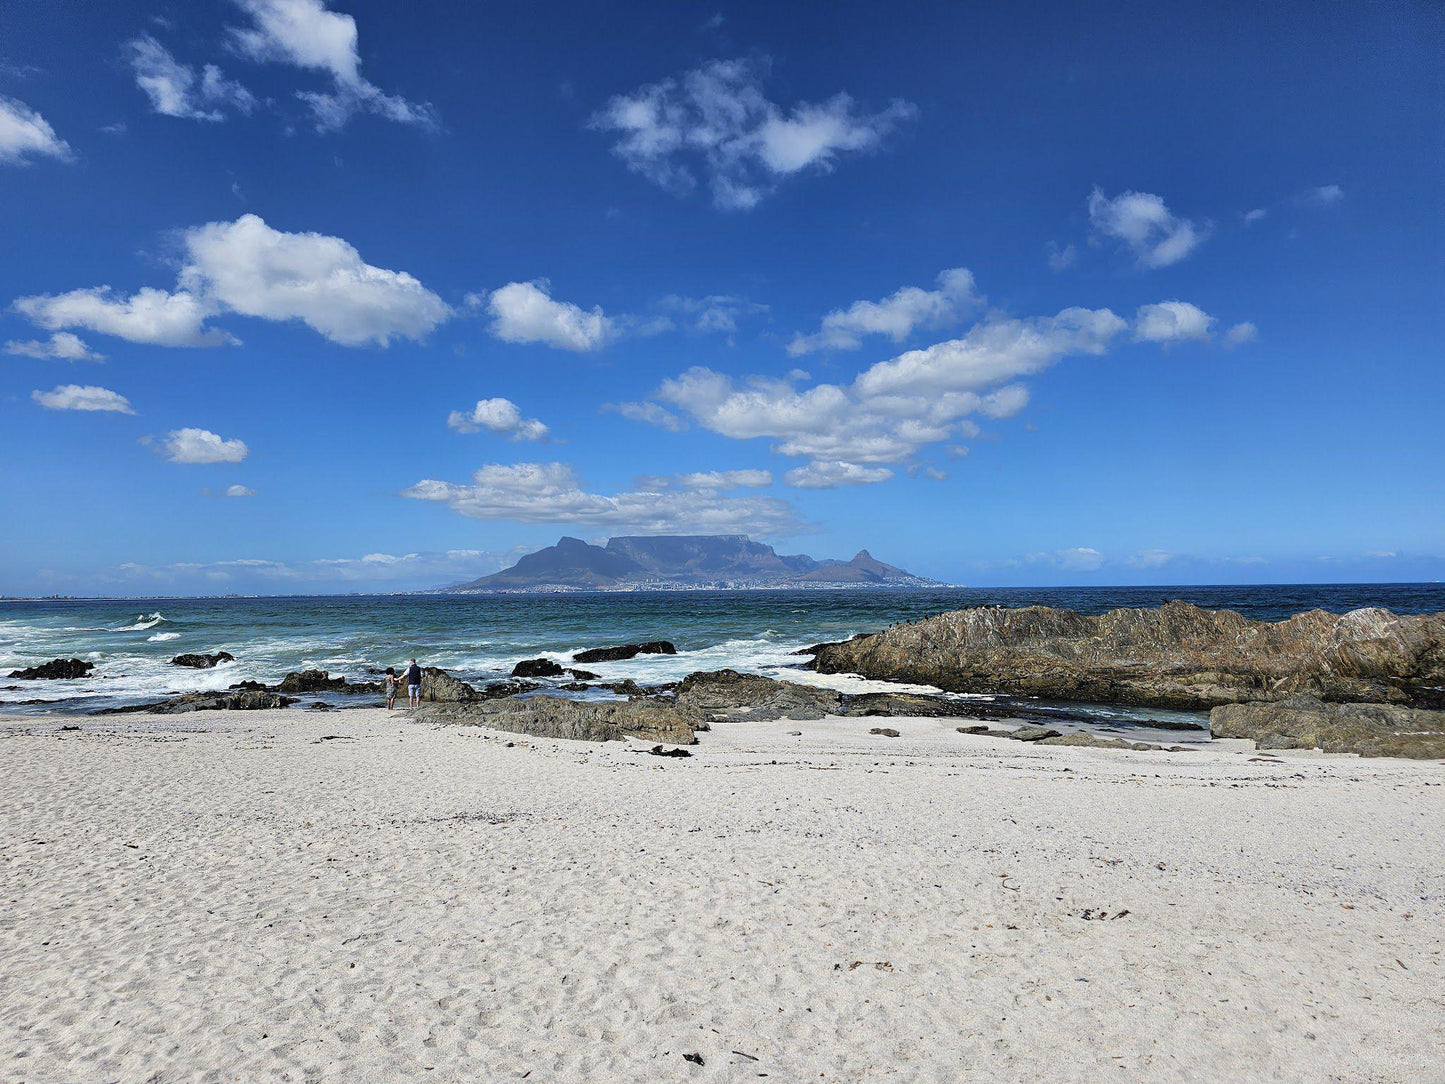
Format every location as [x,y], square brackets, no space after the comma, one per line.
[162,637]
[142,622]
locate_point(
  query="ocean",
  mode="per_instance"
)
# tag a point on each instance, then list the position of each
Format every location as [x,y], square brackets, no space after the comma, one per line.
[480,637]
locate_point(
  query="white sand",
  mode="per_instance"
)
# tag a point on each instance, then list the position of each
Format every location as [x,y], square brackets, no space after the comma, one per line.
[220,897]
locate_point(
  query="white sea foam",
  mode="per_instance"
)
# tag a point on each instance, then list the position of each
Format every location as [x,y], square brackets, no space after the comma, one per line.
[162,637]
[142,622]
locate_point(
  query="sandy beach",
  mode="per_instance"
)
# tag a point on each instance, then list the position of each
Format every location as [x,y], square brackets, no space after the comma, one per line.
[348,896]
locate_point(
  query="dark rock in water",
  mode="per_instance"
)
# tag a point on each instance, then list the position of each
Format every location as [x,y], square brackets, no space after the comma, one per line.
[728,695]
[535,668]
[1175,656]
[499,690]
[625,651]
[574,687]
[203,662]
[437,686]
[624,688]
[55,669]
[896,705]
[356,688]
[582,675]
[885,732]
[213,701]
[1306,722]
[320,705]
[311,681]
[582,720]
[251,686]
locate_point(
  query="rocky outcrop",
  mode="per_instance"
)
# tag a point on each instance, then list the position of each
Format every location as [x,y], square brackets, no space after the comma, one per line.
[722,695]
[230,700]
[203,662]
[578,720]
[535,668]
[311,681]
[439,687]
[1306,722]
[55,669]
[1175,656]
[625,651]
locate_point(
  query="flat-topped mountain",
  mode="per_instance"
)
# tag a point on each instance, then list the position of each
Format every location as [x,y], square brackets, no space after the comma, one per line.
[663,562]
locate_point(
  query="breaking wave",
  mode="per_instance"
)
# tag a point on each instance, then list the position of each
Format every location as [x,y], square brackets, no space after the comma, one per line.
[142,622]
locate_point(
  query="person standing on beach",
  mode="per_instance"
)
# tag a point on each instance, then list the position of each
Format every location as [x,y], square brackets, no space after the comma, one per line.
[413,685]
[389,687]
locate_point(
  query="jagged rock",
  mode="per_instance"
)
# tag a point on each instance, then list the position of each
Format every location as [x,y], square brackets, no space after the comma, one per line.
[212,701]
[582,675]
[535,668]
[728,695]
[624,688]
[497,690]
[203,662]
[55,669]
[1306,722]
[625,651]
[437,686]
[1177,655]
[580,720]
[251,686]
[311,681]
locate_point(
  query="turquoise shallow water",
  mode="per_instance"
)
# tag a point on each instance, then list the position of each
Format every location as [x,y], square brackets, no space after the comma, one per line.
[478,637]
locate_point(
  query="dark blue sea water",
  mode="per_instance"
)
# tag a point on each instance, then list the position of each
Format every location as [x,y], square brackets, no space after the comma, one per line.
[478,637]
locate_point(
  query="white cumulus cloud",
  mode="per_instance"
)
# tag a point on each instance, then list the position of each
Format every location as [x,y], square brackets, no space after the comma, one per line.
[238,490]
[895,316]
[832,473]
[191,445]
[500,416]
[552,493]
[894,408]
[177,90]
[1144,224]
[525,312]
[149,316]
[716,123]
[247,267]
[308,35]
[1172,322]
[83,397]
[63,345]
[25,134]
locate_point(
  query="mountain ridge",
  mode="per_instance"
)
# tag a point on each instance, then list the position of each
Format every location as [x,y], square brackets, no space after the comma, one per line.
[681,562]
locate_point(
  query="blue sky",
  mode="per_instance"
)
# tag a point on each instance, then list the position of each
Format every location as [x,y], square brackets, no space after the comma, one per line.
[354,296]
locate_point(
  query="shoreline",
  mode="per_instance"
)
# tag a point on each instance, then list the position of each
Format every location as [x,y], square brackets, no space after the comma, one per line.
[399,900]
